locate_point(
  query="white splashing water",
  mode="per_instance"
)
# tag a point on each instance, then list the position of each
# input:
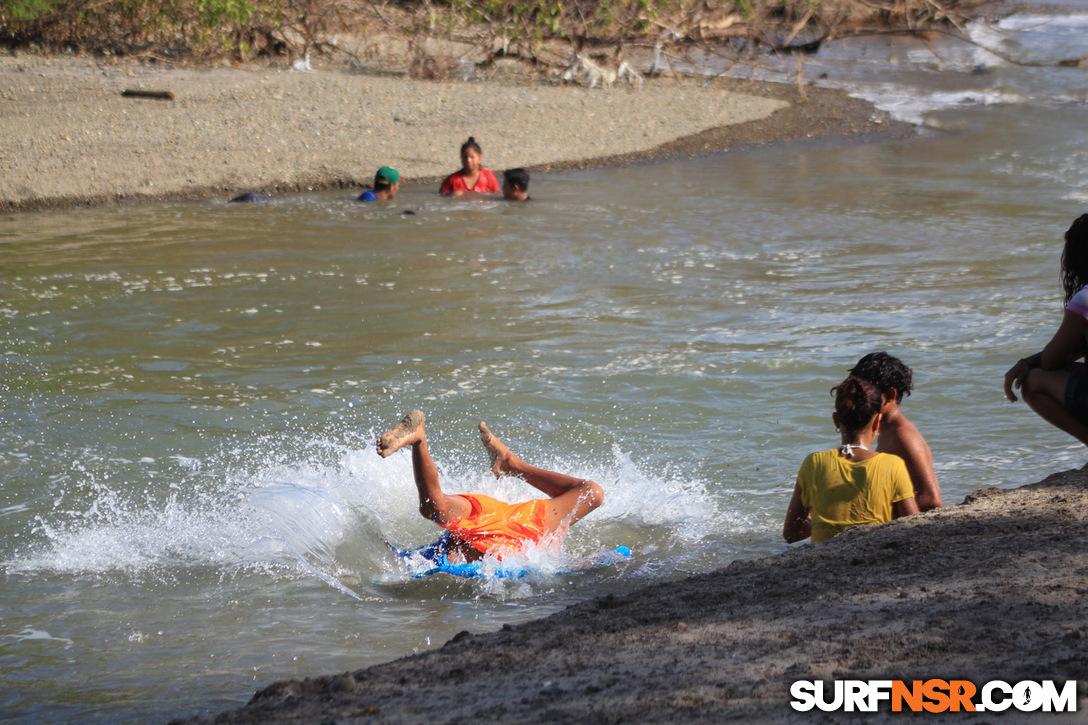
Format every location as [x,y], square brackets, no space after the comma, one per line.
[331,519]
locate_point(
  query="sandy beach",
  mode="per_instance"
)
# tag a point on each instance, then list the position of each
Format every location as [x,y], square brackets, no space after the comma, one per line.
[991,589]
[72,138]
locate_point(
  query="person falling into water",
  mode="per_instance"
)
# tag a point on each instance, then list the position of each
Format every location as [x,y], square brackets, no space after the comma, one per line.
[479,525]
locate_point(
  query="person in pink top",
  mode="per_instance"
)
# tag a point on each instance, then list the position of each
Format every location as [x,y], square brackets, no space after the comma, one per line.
[471,178]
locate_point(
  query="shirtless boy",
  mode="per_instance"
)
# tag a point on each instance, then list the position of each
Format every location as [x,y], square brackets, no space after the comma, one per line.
[897,434]
[479,524]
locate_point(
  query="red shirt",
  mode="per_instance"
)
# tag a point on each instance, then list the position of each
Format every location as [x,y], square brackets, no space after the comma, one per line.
[485,184]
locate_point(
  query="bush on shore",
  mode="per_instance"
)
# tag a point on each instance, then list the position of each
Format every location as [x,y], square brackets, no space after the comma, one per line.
[168,29]
[201,30]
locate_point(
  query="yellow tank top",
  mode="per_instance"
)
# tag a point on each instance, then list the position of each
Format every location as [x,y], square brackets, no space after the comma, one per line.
[840,493]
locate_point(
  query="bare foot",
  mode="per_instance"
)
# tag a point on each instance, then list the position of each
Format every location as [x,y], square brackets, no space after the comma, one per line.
[502,460]
[407,432]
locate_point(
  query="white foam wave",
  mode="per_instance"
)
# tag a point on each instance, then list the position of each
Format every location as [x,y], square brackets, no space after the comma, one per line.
[912,105]
[123,539]
[332,517]
[1031,21]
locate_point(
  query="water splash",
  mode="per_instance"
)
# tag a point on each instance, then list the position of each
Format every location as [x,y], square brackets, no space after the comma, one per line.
[321,508]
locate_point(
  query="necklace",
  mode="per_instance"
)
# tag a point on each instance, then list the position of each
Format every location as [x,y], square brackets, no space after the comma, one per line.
[847,449]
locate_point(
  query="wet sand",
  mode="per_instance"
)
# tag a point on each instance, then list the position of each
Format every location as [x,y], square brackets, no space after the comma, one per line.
[993,589]
[72,138]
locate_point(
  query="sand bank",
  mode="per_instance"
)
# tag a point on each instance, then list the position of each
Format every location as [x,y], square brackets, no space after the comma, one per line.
[991,589]
[71,138]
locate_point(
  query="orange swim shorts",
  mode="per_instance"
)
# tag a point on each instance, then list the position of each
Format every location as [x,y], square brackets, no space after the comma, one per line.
[495,526]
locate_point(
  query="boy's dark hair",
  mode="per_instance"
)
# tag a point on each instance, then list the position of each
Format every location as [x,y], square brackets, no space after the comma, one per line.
[884,371]
[517,177]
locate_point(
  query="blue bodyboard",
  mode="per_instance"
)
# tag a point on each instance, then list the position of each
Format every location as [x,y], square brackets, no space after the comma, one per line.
[432,559]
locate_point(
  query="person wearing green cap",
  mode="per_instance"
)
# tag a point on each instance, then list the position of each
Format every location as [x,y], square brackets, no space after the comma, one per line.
[386,185]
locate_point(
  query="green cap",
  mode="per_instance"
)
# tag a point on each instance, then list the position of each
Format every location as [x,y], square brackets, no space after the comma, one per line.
[387,174]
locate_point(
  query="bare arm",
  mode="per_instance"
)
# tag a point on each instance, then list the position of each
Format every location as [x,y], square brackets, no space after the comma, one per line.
[1067,343]
[902,438]
[906,507]
[919,460]
[927,492]
[798,525]
[1066,346]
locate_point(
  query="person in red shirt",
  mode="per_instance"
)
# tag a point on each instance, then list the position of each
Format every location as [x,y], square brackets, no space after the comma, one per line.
[471,178]
[478,524]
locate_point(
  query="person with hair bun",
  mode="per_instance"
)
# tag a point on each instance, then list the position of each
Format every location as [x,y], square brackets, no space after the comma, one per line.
[850,485]
[1053,384]
[471,178]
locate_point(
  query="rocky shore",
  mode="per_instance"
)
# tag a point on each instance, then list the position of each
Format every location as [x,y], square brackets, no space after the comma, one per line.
[78,132]
[992,589]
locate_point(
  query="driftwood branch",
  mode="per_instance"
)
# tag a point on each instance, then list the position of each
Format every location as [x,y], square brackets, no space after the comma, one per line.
[140,93]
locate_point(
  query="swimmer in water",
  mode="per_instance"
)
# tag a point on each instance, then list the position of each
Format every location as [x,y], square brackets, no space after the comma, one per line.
[478,524]
[386,185]
[515,185]
[471,178]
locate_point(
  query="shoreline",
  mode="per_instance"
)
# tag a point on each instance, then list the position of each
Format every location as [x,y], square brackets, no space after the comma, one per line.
[73,140]
[991,589]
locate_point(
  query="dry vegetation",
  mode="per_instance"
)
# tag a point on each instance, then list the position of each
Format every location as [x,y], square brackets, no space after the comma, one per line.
[540,33]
